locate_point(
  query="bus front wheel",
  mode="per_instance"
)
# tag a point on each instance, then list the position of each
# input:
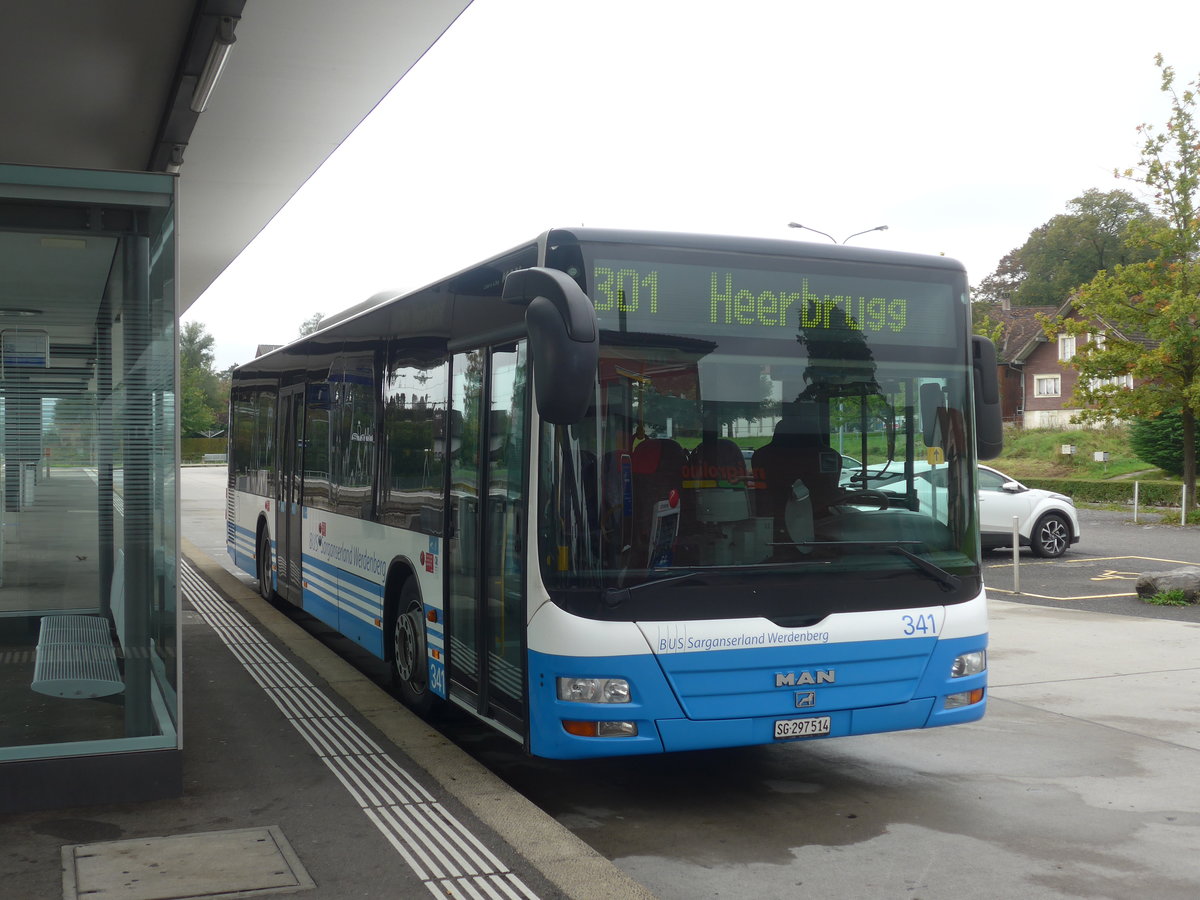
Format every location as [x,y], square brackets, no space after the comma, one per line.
[410,667]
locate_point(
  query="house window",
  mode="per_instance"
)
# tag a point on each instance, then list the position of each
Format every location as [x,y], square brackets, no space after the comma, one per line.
[1046,385]
[1066,347]
[1119,381]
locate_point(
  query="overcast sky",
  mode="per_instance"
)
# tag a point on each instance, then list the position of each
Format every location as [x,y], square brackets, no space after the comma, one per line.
[961,126]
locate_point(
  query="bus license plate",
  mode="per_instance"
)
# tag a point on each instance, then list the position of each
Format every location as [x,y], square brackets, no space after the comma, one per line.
[794,728]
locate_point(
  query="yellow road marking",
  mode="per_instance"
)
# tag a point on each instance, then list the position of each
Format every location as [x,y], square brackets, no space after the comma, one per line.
[1107,575]
[1113,575]
[992,590]
[1052,562]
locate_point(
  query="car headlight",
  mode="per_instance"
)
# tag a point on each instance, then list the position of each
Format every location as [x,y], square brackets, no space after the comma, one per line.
[593,690]
[969,664]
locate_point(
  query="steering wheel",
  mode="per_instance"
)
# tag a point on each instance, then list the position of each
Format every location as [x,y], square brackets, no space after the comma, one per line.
[865,496]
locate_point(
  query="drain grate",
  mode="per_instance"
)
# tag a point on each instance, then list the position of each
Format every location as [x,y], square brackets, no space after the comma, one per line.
[245,862]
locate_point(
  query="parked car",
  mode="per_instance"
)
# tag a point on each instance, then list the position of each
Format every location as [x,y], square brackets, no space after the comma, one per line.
[1047,521]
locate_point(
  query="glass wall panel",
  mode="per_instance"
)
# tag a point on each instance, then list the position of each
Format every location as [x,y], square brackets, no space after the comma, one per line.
[88,451]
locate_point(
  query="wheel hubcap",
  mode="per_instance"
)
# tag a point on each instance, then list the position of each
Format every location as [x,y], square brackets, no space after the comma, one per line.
[1053,536]
[408,646]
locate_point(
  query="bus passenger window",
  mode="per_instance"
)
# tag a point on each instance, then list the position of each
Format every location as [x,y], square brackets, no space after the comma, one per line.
[414,450]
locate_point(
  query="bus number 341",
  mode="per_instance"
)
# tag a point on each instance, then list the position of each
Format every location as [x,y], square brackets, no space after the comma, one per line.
[923,624]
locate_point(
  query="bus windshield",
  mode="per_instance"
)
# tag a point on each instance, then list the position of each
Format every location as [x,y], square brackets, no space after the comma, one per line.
[760,428]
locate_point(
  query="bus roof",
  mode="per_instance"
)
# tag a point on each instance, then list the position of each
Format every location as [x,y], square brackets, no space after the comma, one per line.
[786,247]
[469,295]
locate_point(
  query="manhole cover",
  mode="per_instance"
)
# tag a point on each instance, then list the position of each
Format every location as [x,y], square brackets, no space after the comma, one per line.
[218,864]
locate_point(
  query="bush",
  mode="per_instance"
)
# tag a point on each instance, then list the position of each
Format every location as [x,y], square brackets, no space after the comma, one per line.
[1173,597]
[1150,493]
[193,449]
[1159,441]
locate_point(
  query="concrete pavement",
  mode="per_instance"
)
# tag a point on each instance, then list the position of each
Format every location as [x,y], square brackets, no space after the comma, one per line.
[284,738]
[1084,780]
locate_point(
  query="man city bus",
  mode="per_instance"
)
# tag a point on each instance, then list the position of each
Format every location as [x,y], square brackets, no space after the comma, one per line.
[618,492]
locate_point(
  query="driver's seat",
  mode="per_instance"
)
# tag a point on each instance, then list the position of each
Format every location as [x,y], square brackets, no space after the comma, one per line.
[796,452]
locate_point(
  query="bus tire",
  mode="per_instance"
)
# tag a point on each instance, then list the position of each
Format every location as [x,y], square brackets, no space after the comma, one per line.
[265,589]
[409,657]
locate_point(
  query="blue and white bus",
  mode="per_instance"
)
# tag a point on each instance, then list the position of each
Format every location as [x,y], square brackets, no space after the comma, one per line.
[612,492]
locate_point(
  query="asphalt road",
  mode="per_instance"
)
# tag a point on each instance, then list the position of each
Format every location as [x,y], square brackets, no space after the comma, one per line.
[1100,572]
[1083,780]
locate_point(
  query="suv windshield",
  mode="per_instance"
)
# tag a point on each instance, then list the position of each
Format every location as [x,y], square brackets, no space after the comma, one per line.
[755,449]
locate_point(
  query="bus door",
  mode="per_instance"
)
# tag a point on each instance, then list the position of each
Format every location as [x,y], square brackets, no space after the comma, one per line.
[288,513]
[484,559]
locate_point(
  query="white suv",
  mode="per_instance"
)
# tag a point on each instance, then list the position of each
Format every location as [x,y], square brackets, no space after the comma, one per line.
[1047,522]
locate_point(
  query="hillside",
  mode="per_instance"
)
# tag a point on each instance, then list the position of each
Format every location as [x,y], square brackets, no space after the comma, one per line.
[1037,453]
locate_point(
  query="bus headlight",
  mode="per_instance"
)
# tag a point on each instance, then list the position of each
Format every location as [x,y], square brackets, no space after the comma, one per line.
[969,664]
[593,690]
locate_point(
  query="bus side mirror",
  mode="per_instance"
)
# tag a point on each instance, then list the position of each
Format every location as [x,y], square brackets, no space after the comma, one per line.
[989,426]
[564,341]
[931,399]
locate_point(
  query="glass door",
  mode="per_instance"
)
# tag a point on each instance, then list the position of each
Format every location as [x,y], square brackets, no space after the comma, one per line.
[486,571]
[464,534]
[288,516]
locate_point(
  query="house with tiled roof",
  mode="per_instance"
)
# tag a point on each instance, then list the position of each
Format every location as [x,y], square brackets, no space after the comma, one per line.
[1037,381]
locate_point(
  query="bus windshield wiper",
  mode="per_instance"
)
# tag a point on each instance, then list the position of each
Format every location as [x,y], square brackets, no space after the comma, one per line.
[616,596]
[948,580]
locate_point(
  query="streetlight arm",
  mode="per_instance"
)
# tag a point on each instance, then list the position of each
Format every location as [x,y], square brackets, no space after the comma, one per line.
[806,228]
[831,237]
[868,231]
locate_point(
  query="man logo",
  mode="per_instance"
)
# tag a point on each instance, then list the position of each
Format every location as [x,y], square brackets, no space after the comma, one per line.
[806,699]
[793,679]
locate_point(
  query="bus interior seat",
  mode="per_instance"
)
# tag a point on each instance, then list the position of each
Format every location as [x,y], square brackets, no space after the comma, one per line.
[720,471]
[657,471]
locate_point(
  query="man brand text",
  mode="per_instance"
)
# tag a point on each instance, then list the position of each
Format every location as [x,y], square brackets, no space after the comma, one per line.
[791,679]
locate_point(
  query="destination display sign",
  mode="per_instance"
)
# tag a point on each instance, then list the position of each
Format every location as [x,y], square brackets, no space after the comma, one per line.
[680,298]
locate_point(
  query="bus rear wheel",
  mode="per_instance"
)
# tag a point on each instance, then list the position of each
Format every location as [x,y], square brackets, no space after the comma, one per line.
[410,666]
[265,590]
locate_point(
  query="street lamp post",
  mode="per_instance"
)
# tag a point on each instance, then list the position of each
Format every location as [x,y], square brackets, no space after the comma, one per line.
[831,237]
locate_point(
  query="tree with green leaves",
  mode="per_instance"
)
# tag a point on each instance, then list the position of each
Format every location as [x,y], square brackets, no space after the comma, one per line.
[203,394]
[1159,441]
[983,325]
[1152,305]
[1093,235]
[311,325]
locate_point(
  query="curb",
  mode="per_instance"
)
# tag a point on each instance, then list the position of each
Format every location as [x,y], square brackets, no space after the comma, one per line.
[561,857]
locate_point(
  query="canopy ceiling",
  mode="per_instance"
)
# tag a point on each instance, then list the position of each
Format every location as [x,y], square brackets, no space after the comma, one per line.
[108,86]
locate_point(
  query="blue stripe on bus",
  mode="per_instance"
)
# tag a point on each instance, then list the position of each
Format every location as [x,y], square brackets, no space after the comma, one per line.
[866,708]
[336,597]
[239,542]
[318,604]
